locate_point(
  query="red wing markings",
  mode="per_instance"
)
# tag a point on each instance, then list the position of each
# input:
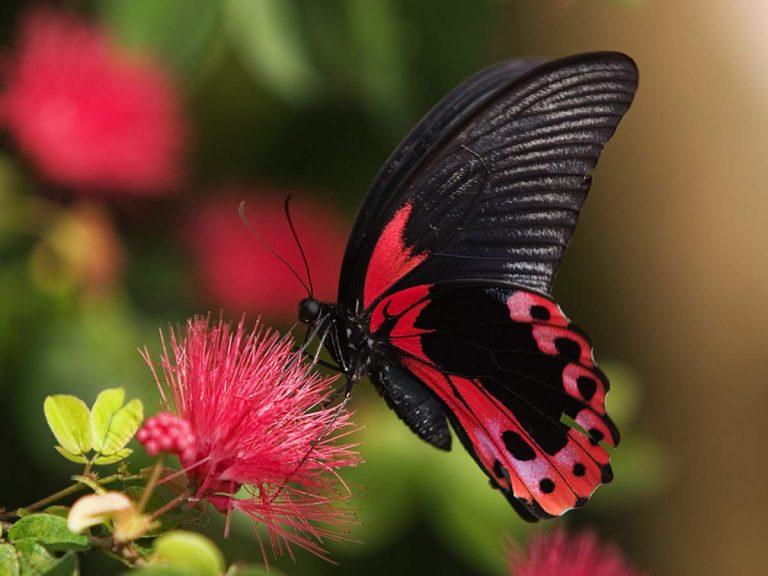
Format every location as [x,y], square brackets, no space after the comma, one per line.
[547,483]
[398,304]
[391,258]
[551,339]
[552,332]
[556,483]
[530,308]
[554,335]
[580,383]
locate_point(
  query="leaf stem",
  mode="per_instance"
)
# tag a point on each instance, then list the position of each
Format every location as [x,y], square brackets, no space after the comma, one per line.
[151,483]
[170,505]
[68,491]
[64,492]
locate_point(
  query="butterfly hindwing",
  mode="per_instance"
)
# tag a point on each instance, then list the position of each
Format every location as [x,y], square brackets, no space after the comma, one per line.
[518,382]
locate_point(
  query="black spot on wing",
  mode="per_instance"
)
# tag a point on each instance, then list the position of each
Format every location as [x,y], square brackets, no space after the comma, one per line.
[517,446]
[546,485]
[606,473]
[587,387]
[568,348]
[540,313]
[498,471]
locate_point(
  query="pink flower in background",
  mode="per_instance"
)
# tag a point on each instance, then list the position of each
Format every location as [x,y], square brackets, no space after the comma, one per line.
[237,273]
[257,421]
[557,554]
[88,116]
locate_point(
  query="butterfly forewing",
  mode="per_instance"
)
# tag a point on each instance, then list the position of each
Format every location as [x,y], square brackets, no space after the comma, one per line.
[451,112]
[495,192]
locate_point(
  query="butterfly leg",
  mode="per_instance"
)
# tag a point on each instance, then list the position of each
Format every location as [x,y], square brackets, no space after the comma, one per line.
[344,393]
[309,335]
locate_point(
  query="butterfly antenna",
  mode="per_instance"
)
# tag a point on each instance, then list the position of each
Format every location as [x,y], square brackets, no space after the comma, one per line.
[298,244]
[252,230]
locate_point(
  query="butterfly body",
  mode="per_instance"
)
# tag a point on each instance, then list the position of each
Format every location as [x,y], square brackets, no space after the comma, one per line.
[444,292]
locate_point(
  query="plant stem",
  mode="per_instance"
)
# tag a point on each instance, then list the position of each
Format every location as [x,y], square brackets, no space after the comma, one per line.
[151,483]
[124,552]
[170,505]
[68,491]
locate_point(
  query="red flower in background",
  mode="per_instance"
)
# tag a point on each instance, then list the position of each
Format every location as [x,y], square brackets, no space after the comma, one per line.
[254,418]
[90,117]
[557,554]
[237,273]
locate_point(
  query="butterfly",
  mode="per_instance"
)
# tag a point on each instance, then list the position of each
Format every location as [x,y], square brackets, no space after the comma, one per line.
[444,294]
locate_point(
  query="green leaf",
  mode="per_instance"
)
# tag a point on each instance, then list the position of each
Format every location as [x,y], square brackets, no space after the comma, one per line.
[9,564]
[270,40]
[71,457]
[195,554]
[48,530]
[64,566]
[112,458]
[70,421]
[123,425]
[34,559]
[108,402]
[57,510]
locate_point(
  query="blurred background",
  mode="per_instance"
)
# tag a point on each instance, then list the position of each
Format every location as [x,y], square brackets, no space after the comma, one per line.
[131,129]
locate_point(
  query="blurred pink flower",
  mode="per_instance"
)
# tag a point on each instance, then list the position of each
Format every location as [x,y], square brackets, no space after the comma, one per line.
[89,116]
[257,421]
[557,554]
[237,273]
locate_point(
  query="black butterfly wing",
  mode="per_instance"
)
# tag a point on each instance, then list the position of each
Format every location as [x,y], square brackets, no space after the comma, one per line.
[490,184]
[386,191]
[484,195]
[516,379]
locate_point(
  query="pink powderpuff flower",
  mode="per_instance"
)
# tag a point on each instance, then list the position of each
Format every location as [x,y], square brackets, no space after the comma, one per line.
[166,432]
[263,440]
[557,554]
[89,116]
[237,273]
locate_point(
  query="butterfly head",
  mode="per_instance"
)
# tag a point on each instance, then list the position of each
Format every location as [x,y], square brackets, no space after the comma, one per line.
[309,310]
